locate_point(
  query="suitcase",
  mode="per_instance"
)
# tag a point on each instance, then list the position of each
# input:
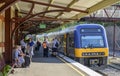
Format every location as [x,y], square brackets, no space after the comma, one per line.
[27,61]
[54,52]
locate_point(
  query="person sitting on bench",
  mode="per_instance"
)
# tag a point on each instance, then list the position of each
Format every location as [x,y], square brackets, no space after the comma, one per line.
[18,56]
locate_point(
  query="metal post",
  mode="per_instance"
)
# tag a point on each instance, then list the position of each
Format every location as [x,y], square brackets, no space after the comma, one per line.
[114,40]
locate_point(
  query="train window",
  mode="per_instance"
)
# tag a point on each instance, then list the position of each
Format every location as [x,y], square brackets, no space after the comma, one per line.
[92,41]
[90,30]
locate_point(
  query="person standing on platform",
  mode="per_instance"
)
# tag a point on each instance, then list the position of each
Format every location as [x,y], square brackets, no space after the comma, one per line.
[30,47]
[45,49]
[23,45]
[47,41]
[55,44]
[38,45]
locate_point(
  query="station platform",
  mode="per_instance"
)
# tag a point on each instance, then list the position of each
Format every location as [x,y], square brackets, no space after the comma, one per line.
[50,66]
[47,66]
[115,60]
[53,66]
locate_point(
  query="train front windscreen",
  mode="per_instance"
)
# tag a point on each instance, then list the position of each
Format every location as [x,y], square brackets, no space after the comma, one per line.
[92,42]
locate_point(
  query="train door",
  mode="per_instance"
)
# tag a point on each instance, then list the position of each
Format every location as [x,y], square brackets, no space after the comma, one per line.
[67,46]
[70,45]
[62,44]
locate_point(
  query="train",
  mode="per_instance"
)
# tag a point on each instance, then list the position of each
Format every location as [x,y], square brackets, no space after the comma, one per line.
[85,43]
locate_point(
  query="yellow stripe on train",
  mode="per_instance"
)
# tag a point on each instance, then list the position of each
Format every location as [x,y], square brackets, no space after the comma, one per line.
[91,52]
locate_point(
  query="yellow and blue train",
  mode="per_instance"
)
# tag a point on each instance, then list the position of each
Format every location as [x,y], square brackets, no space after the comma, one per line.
[86,43]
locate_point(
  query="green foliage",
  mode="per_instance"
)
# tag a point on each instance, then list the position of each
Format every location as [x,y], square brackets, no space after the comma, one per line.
[1,74]
[117,23]
[6,70]
[64,26]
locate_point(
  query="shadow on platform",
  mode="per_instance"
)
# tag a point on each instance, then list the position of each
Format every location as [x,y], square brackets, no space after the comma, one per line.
[38,58]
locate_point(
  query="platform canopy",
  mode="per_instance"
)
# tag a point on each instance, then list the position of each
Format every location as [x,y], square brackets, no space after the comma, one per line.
[52,13]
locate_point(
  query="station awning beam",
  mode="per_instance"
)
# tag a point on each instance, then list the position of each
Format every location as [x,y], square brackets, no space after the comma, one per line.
[7,5]
[96,7]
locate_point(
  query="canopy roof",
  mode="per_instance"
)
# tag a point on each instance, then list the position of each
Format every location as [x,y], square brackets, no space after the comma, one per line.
[54,12]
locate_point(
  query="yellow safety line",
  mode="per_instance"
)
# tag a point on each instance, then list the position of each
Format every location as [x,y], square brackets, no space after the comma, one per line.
[71,66]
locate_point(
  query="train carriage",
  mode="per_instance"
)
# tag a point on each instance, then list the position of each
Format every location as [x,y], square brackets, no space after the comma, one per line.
[86,43]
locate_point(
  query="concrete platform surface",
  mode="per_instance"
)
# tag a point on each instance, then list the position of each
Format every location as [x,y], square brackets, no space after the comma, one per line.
[50,66]
[114,60]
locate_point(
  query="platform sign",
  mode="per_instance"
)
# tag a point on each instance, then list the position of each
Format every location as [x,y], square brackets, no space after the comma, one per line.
[63,27]
[41,25]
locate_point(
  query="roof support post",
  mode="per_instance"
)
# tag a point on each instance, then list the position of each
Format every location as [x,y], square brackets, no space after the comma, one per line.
[8,44]
[16,36]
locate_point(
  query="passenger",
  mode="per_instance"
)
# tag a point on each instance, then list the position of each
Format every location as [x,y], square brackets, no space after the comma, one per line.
[55,44]
[38,45]
[30,48]
[23,45]
[18,56]
[47,42]
[45,49]
[21,56]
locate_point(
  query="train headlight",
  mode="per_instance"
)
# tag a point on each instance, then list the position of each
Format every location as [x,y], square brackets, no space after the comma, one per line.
[99,30]
[82,30]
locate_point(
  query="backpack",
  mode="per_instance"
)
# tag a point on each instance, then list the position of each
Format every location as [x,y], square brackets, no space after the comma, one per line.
[56,44]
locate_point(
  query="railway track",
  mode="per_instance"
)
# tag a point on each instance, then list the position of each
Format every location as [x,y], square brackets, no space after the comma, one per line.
[111,70]
[101,73]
